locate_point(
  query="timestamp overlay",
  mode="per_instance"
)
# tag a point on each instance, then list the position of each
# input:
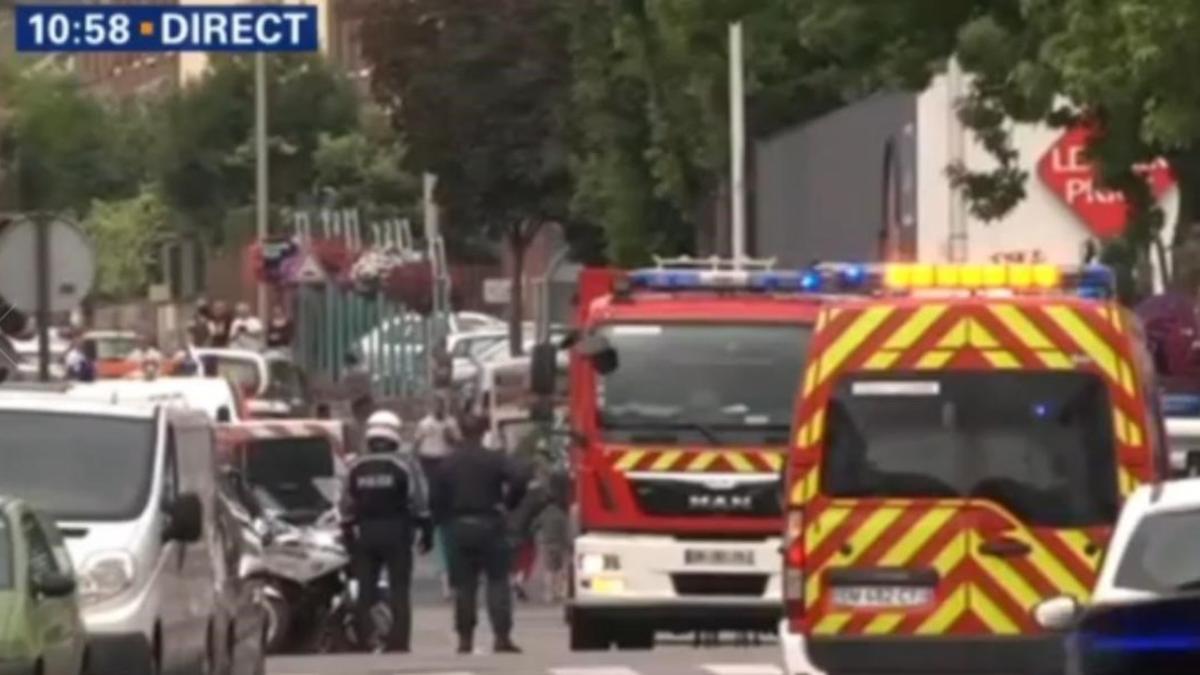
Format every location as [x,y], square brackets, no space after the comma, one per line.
[166,28]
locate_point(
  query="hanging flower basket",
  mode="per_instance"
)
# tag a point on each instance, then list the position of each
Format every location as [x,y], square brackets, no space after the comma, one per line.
[373,268]
[334,255]
[412,285]
[269,261]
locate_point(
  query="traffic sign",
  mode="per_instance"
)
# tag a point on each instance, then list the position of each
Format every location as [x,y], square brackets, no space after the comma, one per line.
[309,271]
[72,265]
[1065,170]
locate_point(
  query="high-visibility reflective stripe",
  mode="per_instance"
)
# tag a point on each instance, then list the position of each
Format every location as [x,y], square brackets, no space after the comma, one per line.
[946,614]
[1055,360]
[772,460]
[832,623]
[1079,544]
[1120,426]
[739,462]
[881,360]
[851,339]
[666,460]
[920,533]
[810,378]
[912,330]
[629,460]
[805,488]
[874,526]
[981,337]
[1100,351]
[703,460]
[884,623]
[1010,581]
[1001,359]
[956,336]
[950,557]
[1021,327]
[990,613]
[934,360]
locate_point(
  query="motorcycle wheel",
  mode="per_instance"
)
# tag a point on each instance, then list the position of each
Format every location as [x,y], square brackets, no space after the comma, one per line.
[277,615]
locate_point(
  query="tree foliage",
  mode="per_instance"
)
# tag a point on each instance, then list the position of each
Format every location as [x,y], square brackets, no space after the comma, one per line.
[125,234]
[478,87]
[366,168]
[206,151]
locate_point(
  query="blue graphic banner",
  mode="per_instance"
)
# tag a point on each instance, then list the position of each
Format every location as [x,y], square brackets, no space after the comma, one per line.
[166,28]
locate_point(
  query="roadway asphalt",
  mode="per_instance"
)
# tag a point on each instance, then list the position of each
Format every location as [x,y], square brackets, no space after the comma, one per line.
[542,634]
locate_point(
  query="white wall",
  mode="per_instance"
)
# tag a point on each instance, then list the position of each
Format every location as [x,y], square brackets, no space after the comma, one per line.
[1041,222]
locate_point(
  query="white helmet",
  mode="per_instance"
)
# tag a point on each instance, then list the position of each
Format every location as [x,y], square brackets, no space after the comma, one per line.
[385,424]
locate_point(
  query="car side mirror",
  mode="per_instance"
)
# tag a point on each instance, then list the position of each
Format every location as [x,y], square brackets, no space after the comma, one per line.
[543,369]
[600,352]
[186,519]
[1058,613]
[223,415]
[54,585]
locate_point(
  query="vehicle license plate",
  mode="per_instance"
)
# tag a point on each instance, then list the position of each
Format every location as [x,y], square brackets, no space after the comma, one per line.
[722,557]
[869,597]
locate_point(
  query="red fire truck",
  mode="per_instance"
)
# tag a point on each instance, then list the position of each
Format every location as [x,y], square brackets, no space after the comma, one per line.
[681,378]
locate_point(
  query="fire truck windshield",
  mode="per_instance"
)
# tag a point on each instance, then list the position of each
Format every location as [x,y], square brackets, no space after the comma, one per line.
[701,383]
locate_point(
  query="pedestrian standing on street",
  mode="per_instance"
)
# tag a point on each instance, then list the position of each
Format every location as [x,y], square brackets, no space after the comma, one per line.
[220,325]
[472,493]
[245,331]
[279,329]
[386,503]
[437,434]
[199,328]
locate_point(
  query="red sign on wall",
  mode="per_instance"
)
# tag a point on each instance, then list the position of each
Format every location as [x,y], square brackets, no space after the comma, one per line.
[1065,170]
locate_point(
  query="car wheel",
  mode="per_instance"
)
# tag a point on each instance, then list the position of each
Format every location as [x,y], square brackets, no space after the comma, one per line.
[588,635]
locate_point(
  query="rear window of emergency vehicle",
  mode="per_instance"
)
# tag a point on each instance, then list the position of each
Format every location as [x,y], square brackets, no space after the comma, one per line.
[1039,443]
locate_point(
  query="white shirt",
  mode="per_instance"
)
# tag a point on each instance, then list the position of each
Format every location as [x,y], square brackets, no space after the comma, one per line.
[246,333]
[431,436]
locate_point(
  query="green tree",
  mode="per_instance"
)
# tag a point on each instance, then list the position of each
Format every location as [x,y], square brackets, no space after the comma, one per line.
[206,149]
[61,147]
[125,233]
[366,168]
[479,88]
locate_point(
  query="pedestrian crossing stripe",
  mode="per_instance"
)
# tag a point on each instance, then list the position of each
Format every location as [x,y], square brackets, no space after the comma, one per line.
[593,670]
[744,669]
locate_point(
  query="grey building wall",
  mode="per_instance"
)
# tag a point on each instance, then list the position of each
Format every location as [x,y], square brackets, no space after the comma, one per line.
[821,192]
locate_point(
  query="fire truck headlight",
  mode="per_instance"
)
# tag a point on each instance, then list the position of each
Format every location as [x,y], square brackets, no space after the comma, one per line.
[595,563]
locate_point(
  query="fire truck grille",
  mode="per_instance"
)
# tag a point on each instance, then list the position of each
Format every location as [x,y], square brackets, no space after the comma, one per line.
[660,497]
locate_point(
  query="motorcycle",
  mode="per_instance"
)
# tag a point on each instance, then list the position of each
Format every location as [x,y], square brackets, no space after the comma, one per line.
[295,572]
[338,633]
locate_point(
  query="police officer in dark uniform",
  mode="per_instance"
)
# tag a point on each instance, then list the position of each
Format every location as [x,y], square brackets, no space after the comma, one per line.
[472,493]
[385,503]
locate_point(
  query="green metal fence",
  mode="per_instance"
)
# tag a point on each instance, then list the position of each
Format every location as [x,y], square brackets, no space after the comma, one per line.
[390,341]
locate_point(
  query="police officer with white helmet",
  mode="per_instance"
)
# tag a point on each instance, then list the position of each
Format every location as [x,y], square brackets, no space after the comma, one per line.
[385,504]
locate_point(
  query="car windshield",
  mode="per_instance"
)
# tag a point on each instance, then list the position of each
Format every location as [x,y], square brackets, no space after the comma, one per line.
[108,348]
[5,553]
[1163,554]
[1038,443]
[701,383]
[295,472]
[77,467]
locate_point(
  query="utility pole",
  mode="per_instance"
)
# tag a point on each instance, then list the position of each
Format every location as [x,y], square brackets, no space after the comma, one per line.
[737,142]
[261,198]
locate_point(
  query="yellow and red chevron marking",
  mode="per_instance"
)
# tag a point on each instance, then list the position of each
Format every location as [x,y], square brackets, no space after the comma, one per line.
[697,461]
[977,335]
[977,594]
[243,432]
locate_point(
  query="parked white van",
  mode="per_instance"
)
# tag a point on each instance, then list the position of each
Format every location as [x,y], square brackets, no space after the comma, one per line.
[133,491]
[214,396]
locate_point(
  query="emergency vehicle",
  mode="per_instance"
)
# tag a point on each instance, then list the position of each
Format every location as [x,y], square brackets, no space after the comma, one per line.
[682,379]
[963,441]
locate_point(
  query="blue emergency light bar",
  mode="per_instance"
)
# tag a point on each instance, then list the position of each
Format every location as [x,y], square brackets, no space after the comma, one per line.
[1093,281]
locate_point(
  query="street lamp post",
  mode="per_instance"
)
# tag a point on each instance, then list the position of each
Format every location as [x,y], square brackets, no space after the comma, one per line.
[261,168]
